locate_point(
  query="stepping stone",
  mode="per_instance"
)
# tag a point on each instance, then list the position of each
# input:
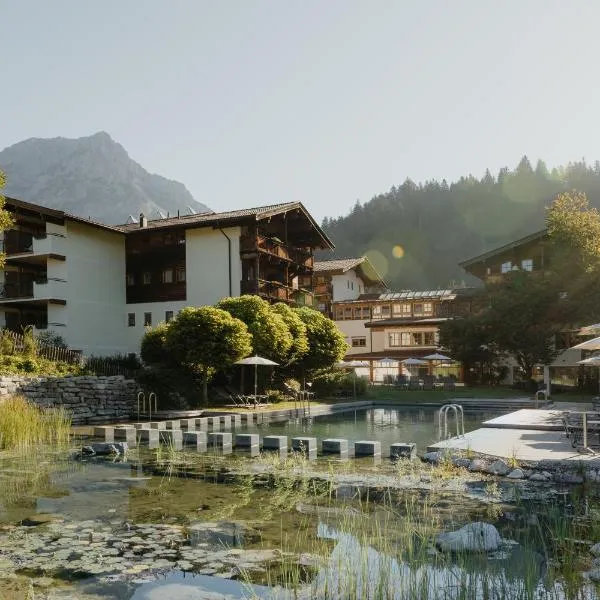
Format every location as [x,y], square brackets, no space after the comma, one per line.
[275,442]
[171,436]
[202,423]
[172,425]
[225,421]
[189,424]
[367,448]
[149,436]
[158,425]
[221,442]
[127,434]
[401,450]
[246,440]
[334,446]
[105,433]
[304,444]
[195,438]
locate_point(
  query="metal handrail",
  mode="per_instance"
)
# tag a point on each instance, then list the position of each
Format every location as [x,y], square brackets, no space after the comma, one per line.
[141,401]
[458,411]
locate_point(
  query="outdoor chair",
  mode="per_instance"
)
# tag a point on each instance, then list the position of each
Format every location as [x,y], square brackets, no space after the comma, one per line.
[573,424]
[449,385]
[428,382]
[415,383]
[402,382]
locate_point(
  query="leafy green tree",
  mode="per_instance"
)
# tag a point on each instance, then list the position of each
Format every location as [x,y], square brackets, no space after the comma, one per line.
[153,346]
[468,340]
[326,343]
[6,220]
[271,337]
[297,329]
[206,339]
[526,312]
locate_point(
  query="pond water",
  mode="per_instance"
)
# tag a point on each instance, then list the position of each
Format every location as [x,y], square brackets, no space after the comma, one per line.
[103,530]
[388,425]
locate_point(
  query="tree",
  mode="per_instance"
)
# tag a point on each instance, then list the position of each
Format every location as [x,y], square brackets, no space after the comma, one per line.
[6,220]
[206,339]
[297,329]
[153,346]
[326,343]
[468,341]
[271,337]
[526,312]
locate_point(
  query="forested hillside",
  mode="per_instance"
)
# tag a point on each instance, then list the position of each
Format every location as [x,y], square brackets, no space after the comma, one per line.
[417,233]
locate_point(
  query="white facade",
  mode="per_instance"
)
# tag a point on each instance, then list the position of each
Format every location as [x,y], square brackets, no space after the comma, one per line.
[356,334]
[92,282]
[347,286]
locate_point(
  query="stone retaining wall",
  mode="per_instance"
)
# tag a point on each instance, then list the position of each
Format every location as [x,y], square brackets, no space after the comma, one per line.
[89,399]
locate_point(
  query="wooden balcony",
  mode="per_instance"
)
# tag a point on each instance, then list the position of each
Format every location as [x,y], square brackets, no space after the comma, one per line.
[275,248]
[323,289]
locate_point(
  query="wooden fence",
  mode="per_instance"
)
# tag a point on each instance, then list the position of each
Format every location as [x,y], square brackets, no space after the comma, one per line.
[96,365]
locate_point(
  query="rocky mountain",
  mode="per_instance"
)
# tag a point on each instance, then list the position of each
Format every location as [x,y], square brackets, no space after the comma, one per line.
[90,177]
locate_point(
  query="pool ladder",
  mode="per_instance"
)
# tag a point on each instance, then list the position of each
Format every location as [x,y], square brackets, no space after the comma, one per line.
[459,418]
[141,402]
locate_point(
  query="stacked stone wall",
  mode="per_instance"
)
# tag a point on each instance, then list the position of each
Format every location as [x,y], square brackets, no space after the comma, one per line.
[88,399]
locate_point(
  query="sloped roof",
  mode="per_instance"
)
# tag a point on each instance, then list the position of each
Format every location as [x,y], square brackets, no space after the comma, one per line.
[342,265]
[407,295]
[226,218]
[532,237]
[337,264]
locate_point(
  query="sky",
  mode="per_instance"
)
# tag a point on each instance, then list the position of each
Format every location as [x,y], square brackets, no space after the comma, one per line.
[251,102]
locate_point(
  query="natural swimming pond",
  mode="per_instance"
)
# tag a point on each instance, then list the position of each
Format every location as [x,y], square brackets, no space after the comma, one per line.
[386,424]
[185,526]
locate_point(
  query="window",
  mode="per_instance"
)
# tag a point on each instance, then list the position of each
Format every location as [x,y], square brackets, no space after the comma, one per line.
[418,308]
[429,338]
[428,308]
[506,267]
[377,312]
[320,280]
[348,284]
[168,316]
[527,264]
[397,309]
[406,309]
[359,342]
[167,276]
[366,313]
[180,275]
[147,319]
[147,278]
[394,339]
[131,320]
[348,313]
[406,339]
[357,312]
[385,311]
[130,279]
[352,285]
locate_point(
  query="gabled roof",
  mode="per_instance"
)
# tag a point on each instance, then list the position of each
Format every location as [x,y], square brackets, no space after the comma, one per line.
[232,217]
[338,266]
[406,295]
[532,237]
[57,214]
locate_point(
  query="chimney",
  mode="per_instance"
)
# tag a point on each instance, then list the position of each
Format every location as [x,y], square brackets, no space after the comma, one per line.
[143,220]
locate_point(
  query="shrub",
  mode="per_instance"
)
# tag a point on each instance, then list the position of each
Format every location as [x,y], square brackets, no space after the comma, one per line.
[152,348]
[29,365]
[276,396]
[30,343]
[7,343]
[332,382]
[51,338]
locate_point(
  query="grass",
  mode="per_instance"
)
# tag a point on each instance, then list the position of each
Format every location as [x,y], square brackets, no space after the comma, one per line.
[24,425]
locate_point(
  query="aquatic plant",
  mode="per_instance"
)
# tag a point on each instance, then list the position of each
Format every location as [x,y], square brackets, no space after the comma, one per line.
[24,425]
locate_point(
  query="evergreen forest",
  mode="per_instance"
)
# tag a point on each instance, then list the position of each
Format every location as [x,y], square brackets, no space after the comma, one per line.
[416,234]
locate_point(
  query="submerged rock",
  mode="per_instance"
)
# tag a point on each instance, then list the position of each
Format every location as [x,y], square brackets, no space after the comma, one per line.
[538,477]
[474,537]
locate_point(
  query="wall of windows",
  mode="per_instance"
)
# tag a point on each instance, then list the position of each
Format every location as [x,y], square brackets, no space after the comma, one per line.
[402,339]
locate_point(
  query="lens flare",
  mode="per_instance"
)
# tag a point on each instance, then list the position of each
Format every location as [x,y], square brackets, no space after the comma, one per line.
[397,251]
[379,261]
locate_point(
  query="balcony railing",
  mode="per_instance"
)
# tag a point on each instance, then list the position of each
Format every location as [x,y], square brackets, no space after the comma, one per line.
[22,289]
[42,288]
[277,248]
[22,242]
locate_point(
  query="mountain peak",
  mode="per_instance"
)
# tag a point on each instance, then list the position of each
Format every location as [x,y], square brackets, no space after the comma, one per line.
[89,176]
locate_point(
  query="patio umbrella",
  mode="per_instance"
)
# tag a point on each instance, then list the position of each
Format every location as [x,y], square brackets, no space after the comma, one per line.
[590,330]
[256,360]
[591,362]
[413,361]
[352,364]
[593,344]
[437,356]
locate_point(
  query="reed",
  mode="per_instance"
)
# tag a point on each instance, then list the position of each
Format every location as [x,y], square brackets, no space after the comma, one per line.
[24,425]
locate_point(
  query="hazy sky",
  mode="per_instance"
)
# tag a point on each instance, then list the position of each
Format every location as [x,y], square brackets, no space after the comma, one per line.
[251,102]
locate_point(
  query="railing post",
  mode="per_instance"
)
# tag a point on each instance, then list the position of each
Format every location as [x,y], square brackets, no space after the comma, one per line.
[585,435]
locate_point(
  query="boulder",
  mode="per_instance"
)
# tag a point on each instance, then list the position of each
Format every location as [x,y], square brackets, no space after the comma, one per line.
[595,549]
[568,478]
[498,467]
[107,448]
[478,465]
[459,461]
[516,474]
[474,537]
[433,457]
[538,477]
